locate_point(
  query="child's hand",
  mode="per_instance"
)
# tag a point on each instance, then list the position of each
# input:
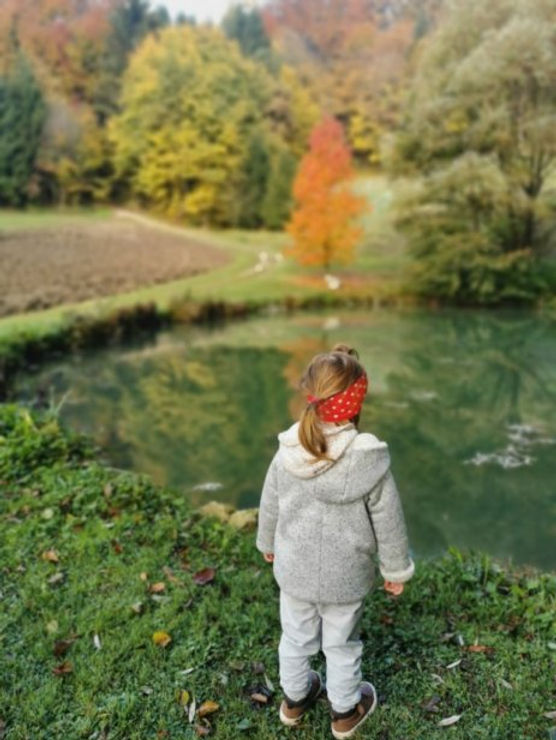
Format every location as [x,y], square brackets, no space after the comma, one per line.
[269,557]
[393,588]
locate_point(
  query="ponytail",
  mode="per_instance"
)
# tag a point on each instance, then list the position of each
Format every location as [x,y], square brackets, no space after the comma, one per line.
[311,435]
[327,374]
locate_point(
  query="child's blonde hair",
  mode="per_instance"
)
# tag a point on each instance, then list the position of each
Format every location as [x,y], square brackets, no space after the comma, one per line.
[327,373]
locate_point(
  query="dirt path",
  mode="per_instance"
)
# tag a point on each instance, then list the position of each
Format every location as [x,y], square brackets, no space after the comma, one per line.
[40,268]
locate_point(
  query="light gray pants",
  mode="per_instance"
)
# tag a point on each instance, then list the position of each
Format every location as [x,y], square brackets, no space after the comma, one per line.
[306,628]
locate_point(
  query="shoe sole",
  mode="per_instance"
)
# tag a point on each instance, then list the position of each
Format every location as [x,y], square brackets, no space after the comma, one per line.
[350,733]
[288,721]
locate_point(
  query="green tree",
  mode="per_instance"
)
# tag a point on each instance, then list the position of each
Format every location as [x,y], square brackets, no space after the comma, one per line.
[278,200]
[255,177]
[246,27]
[22,115]
[480,130]
[129,23]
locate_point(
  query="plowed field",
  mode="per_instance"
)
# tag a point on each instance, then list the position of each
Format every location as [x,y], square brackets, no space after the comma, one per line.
[40,268]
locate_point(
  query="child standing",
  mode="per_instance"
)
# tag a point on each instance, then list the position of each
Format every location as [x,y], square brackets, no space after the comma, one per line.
[329,502]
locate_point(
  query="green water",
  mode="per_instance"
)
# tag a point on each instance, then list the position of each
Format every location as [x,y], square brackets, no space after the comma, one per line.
[465,400]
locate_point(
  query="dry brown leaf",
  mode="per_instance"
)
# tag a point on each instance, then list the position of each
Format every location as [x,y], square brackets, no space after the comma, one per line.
[61,647]
[117,547]
[169,575]
[208,707]
[51,556]
[65,667]
[202,730]
[202,577]
[161,638]
[157,588]
[480,649]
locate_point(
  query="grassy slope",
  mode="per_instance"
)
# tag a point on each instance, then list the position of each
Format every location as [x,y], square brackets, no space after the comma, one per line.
[379,258]
[108,527]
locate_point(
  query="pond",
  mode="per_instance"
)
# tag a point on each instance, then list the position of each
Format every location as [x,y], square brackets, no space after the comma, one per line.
[465,399]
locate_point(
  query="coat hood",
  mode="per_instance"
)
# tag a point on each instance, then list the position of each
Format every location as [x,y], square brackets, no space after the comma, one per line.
[358,462]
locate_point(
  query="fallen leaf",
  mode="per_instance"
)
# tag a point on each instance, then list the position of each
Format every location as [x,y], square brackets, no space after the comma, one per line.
[56,578]
[96,641]
[157,588]
[143,576]
[169,575]
[437,678]
[430,705]
[261,698]
[202,730]
[208,707]
[480,649]
[137,607]
[51,556]
[549,715]
[65,667]
[61,647]
[449,720]
[184,697]
[506,684]
[192,707]
[202,577]
[118,549]
[187,671]
[161,638]
[454,664]
[269,684]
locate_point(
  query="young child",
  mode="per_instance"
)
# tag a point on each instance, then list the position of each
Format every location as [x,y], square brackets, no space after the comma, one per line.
[329,502]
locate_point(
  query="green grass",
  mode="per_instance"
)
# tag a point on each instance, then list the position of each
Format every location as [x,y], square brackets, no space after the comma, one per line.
[379,259]
[40,218]
[108,527]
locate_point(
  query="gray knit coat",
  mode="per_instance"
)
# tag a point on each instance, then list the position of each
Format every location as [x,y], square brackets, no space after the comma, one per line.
[325,521]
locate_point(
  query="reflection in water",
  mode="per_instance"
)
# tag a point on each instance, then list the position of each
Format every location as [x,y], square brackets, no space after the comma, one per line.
[465,400]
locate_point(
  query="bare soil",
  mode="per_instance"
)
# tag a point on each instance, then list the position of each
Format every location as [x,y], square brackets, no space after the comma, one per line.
[40,268]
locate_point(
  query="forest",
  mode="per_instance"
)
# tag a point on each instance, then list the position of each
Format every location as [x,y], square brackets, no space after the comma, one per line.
[114,102]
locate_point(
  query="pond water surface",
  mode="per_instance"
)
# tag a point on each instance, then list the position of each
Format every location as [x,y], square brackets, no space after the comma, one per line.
[466,401]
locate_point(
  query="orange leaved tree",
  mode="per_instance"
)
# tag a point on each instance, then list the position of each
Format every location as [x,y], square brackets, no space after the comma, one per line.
[322,224]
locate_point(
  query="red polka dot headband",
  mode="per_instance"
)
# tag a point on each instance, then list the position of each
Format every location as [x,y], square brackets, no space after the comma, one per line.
[343,405]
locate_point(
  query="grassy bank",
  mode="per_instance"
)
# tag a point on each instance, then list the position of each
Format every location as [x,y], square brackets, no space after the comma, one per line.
[95,562]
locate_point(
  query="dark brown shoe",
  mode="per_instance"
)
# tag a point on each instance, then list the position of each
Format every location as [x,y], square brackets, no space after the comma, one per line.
[346,725]
[291,712]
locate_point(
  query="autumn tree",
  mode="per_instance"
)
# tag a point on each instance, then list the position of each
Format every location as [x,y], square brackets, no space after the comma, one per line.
[322,225]
[354,55]
[479,140]
[190,104]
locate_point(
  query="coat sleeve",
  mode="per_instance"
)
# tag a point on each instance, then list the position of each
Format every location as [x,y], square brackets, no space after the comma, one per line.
[388,522]
[268,509]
